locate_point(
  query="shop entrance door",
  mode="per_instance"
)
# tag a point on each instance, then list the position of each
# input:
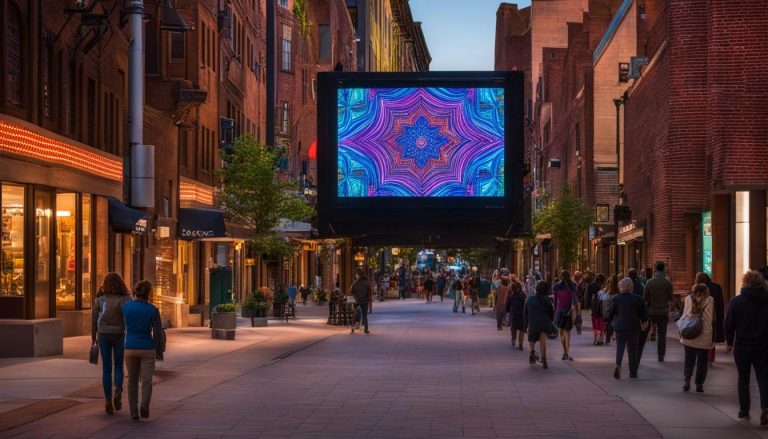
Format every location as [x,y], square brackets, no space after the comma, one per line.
[220,286]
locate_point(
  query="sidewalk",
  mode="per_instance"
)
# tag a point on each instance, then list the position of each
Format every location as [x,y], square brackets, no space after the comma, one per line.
[32,388]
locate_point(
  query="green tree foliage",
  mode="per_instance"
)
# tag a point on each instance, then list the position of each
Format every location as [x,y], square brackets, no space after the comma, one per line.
[253,195]
[566,218]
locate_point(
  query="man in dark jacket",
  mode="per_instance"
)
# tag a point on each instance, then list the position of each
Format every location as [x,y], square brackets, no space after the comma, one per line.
[362,290]
[657,295]
[628,316]
[746,332]
[638,289]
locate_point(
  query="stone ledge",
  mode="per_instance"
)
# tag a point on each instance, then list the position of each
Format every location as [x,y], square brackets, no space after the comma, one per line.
[31,338]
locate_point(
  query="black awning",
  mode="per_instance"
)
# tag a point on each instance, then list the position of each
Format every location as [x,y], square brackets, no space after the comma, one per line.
[124,219]
[201,223]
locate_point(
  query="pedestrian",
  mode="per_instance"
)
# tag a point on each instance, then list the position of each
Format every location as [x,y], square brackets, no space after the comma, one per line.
[108,330]
[484,290]
[402,282]
[530,285]
[628,317]
[515,304]
[638,289]
[362,290]
[716,292]
[429,284]
[566,307]
[699,304]
[144,343]
[500,304]
[292,291]
[304,294]
[606,298]
[657,296]
[474,291]
[440,284]
[537,317]
[746,333]
[596,308]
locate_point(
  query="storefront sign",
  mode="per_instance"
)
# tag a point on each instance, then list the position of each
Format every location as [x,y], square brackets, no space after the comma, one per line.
[249,262]
[706,242]
[201,223]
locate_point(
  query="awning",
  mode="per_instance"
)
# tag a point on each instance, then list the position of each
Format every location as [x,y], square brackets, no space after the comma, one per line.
[124,219]
[197,224]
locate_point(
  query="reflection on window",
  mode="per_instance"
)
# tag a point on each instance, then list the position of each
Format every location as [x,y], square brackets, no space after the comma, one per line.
[87,267]
[12,234]
[66,219]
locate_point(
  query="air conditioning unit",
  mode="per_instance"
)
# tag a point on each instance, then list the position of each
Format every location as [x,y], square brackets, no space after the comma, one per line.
[636,63]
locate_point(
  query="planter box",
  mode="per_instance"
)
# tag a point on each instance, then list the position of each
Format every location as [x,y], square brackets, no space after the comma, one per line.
[257,313]
[259,321]
[224,320]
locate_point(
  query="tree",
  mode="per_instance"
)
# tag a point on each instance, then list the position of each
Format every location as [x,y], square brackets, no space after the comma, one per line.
[565,218]
[254,196]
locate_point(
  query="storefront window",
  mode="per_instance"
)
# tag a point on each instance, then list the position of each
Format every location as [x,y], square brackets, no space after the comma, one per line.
[86,266]
[43,214]
[741,250]
[186,272]
[12,233]
[66,220]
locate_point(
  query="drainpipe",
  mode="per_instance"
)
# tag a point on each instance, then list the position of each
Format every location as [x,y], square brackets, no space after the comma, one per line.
[142,157]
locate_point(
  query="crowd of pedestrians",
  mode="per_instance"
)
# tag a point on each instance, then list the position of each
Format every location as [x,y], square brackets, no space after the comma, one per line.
[633,309]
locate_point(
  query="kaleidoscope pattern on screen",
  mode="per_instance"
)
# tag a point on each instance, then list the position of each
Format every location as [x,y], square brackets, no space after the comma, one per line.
[421,142]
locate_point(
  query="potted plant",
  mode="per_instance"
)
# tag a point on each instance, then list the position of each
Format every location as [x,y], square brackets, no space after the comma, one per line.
[255,307]
[224,321]
[319,296]
[278,303]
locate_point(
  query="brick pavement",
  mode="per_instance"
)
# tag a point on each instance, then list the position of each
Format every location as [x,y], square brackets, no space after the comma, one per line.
[422,372]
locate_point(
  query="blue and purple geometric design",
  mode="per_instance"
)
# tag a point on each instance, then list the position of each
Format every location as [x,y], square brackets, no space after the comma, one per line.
[421,142]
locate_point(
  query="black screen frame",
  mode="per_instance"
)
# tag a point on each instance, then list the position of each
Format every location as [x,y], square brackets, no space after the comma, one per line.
[337,211]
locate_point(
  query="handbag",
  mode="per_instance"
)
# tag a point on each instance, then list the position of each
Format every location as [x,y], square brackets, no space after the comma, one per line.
[93,356]
[690,327]
[579,321]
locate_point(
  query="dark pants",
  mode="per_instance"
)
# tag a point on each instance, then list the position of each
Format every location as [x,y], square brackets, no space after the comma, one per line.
[697,357]
[747,359]
[111,345]
[661,334]
[361,313]
[608,331]
[628,340]
[641,343]
[402,292]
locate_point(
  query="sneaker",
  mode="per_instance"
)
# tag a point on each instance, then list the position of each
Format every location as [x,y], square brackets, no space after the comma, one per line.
[633,375]
[108,407]
[617,372]
[565,357]
[570,358]
[764,417]
[144,411]
[700,388]
[744,416]
[533,357]
[117,398]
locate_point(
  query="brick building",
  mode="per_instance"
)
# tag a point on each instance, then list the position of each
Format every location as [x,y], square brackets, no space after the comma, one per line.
[697,139]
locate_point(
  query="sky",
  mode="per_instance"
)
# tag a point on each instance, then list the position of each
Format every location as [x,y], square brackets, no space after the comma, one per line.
[460,33]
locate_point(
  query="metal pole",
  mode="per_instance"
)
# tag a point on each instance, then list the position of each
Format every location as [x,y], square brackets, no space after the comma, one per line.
[135,11]
[618,103]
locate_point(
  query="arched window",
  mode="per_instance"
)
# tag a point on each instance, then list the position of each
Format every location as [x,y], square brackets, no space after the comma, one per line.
[13,60]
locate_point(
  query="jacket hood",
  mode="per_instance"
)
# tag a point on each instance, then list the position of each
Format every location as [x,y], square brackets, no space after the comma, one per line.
[756,295]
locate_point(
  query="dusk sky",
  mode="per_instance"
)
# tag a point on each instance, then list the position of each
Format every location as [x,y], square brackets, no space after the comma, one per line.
[460,33]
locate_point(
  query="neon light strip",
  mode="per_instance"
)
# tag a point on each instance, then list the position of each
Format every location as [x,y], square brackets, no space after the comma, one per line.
[21,141]
[194,192]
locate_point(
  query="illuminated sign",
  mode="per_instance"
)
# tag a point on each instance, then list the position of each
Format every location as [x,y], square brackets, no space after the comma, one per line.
[706,242]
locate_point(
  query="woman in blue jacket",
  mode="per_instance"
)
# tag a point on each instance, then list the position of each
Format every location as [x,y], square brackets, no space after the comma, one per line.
[144,343]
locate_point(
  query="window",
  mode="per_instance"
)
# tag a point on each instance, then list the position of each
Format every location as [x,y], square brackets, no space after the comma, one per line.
[286,49]
[284,3]
[14,65]
[325,41]
[66,221]
[12,234]
[284,122]
[91,113]
[86,266]
[203,44]
[176,50]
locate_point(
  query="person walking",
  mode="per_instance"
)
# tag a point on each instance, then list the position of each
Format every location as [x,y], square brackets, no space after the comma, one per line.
[440,285]
[716,292]
[701,305]
[628,317]
[657,296]
[515,304]
[606,298]
[402,282]
[144,343]
[596,308]
[362,290]
[474,291]
[429,285]
[746,333]
[537,317]
[500,304]
[638,289]
[566,306]
[108,330]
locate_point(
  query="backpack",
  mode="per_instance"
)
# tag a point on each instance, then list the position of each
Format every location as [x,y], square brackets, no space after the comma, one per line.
[596,305]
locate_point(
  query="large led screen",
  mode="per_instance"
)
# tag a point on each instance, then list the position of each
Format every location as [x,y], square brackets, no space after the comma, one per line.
[420,142]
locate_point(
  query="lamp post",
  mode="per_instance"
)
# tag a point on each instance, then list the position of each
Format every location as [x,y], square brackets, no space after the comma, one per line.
[618,102]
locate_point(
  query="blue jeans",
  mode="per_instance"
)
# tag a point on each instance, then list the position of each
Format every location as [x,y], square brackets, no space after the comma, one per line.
[109,345]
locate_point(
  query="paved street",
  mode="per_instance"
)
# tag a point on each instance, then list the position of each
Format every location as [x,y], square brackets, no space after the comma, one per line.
[422,372]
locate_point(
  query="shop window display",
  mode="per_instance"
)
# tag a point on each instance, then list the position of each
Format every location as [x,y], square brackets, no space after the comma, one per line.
[66,220]
[12,234]
[87,261]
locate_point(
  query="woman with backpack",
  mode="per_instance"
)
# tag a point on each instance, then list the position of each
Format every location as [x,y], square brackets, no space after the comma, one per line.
[606,297]
[699,305]
[595,305]
[108,330]
[537,315]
